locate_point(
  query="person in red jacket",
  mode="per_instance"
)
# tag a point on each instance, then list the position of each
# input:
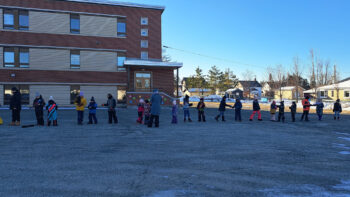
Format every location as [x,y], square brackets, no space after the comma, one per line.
[306,108]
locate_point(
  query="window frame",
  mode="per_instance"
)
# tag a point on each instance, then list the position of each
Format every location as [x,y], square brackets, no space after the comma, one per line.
[121,34]
[23,64]
[146,32]
[74,17]
[142,57]
[75,66]
[13,12]
[143,79]
[121,67]
[144,18]
[17,57]
[146,45]
[16,14]
[23,13]
[346,92]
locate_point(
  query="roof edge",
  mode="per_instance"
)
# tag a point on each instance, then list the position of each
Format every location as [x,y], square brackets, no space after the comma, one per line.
[118,3]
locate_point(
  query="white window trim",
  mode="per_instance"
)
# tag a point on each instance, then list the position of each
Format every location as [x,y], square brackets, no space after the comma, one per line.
[146,41]
[144,52]
[144,18]
[146,31]
[346,91]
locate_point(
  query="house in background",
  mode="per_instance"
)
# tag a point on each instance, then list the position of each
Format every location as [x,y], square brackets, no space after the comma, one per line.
[336,91]
[235,93]
[251,89]
[289,92]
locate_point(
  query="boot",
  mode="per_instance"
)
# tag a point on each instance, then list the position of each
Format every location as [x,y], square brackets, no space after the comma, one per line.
[338,118]
[18,123]
[260,119]
[48,123]
[223,118]
[335,118]
[189,120]
[184,119]
[217,118]
[204,119]
[55,123]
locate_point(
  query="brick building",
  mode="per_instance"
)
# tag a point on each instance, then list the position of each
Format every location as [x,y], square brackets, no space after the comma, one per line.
[62,47]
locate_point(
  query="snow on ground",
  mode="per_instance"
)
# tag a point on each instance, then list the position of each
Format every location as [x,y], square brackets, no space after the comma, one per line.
[187,159]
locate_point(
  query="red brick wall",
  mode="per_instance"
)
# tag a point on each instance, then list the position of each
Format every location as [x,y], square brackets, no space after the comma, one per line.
[62,76]
[133,98]
[131,43]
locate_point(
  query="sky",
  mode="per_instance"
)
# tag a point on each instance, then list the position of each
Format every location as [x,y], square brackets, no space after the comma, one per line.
[254,34]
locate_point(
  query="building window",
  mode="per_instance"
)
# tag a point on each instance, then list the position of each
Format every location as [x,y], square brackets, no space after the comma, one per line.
[144,21]
[144,43]
[16,57]
[347,94]
[75,59]
[74,92]
[332,93]
[16,19]
[143,81]
[23,89]
[75,23]
[324,94]
[144,32]
[121,27]
[144,55]
[121,57]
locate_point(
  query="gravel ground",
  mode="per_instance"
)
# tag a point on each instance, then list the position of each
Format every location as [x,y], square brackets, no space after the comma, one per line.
[188,159]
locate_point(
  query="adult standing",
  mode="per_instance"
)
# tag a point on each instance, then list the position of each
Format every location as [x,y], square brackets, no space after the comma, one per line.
[306,109]
[39,105]
[111,104]
[156,101]
[80,103]
[16,107]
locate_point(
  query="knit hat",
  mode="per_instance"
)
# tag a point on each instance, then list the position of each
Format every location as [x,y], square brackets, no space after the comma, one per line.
[51,98]
[92,99]
[174,102]
[81,93]
[141,101]
[37,94]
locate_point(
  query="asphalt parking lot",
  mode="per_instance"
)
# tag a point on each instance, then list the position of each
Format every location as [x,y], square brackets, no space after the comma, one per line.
[188,159]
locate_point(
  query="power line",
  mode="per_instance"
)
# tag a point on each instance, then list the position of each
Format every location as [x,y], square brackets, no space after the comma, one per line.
[237,63]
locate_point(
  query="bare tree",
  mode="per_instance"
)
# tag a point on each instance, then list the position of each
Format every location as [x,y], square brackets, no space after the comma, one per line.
[336,77]
[280,79]
[296,75]
[248,75]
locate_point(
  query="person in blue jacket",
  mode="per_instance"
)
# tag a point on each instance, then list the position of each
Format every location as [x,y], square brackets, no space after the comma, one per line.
[238,108]
[156,101]
[92,111]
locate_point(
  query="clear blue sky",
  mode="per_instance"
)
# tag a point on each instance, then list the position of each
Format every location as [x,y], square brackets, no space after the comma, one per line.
[260,33]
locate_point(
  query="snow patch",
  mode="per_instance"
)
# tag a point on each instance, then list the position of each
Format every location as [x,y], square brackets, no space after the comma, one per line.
[344,152]
[344,185]
[345,138]
[173,193]
[340,133]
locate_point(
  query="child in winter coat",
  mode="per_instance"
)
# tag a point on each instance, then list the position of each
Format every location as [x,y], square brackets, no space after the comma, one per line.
[337,109]
[281,112]
[319,108]
[273,109]
[186,108]
[256,109]
[200,108]
[147,112]
[80,103]
[51,108]
[174,113]
[140,111]
[39,105]
[293,110]
[222,109]
[92,111]
[238,108]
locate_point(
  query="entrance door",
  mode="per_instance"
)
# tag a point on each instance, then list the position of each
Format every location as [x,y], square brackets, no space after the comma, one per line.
[143,81]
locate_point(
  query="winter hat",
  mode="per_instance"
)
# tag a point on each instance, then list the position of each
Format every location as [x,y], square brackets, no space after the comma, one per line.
[37,94]
[51,98]
[81,93]
[14,89]
[174,102]
[141,101]
[92,99]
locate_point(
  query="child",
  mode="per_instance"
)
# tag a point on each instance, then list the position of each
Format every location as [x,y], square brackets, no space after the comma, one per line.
[174,113]
[281,112]
[200,108]
[222,109]
[80,103]
[319,108]
[39,105]
[293,110]
[186,108]
[51,108]
[92,111]
[306,109]
[238,109]
[256,109]
[273,109]
[140,111]
[337,109]
[147,111]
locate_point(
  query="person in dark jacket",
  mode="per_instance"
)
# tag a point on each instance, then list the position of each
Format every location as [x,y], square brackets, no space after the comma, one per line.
[92,111]
[111,104]
[281,112]
[39,105]
[186,108]
[319,108]
[222,109]
[156,101]
[293,110]
[256,109]
[238,108]
[16,107]
[337,109]
[200,108]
